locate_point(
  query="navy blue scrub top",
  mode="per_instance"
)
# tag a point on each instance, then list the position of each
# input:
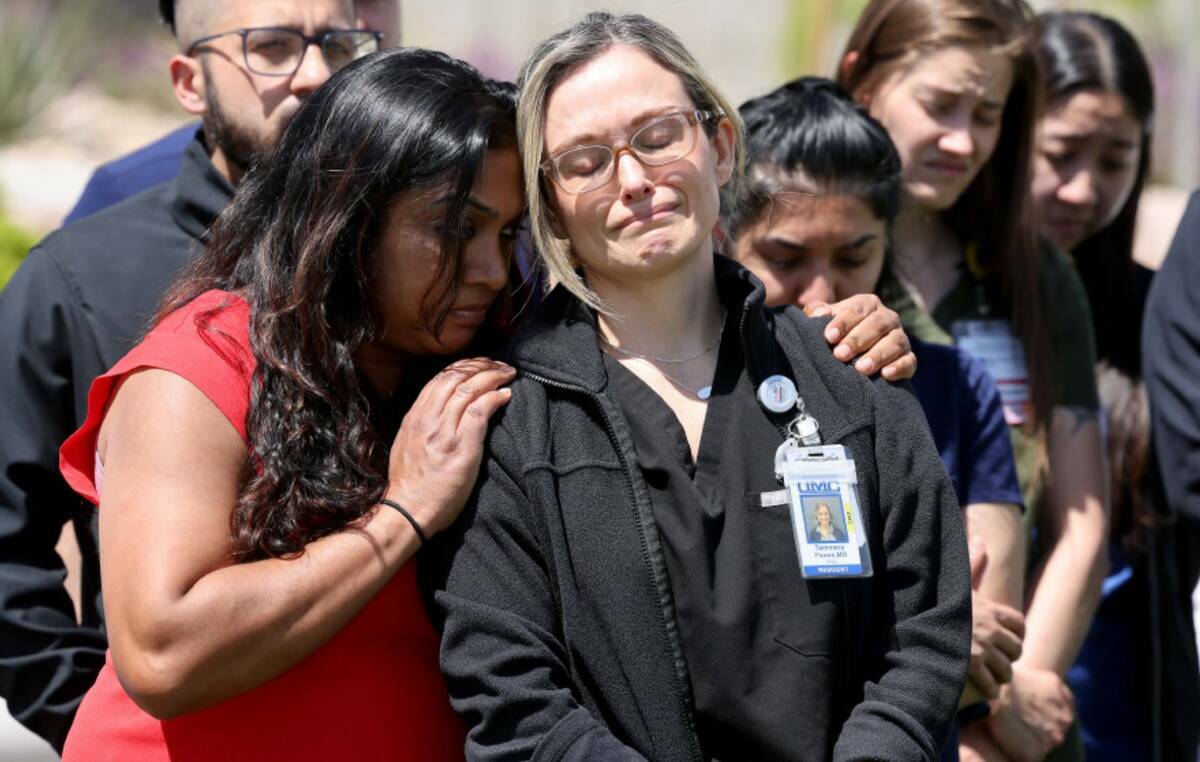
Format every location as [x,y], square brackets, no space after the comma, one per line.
[962,405]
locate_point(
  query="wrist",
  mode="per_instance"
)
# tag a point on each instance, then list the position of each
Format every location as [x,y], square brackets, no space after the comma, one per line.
[408,517]
[417,506]
[971,695]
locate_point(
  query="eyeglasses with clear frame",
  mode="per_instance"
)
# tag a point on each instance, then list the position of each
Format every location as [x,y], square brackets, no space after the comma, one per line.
[278,52]
[660,141]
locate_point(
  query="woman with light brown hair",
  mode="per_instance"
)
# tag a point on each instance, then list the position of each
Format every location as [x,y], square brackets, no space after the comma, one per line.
[956,83]
[630,581]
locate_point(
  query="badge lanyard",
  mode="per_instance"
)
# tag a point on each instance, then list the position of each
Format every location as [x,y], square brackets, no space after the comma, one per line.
[821,491]
[991,340]
[993,343]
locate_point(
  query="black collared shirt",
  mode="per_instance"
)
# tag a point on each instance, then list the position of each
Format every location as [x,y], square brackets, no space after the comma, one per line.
[757,637]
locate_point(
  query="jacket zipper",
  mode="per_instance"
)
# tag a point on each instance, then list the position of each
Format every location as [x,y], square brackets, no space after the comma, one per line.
[612,436]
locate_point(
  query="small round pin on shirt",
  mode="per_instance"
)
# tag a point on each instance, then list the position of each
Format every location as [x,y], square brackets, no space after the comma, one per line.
[777,394]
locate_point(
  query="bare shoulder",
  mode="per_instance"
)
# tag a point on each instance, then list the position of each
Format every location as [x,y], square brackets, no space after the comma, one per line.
[154,408]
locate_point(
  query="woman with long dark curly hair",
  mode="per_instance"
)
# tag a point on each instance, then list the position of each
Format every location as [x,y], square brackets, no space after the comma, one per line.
[280,445]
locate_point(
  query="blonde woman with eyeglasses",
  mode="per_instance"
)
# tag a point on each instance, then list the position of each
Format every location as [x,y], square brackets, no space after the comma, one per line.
[626,582]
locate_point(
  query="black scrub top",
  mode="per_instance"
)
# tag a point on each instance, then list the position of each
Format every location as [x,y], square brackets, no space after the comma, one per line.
[759,639]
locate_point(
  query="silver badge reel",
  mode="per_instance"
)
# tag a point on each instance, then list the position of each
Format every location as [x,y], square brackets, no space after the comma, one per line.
[821,483]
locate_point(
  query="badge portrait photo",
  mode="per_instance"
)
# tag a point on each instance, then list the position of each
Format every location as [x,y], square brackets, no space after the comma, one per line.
[824,518]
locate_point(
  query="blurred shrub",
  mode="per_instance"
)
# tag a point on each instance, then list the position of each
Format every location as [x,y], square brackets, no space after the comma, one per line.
[44,48]
[15,243]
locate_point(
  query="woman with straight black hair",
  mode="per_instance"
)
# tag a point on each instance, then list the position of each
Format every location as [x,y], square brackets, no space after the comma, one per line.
[1091,165]
[281,443]
[813,222]
[1092,161]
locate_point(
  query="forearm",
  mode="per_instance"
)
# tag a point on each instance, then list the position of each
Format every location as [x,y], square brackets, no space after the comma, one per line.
[241,625]
[1066,587]
[998,525]
[1067,593]
[48,660]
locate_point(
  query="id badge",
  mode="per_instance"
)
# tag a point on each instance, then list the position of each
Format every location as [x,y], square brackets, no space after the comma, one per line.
[993,343]
[822,487]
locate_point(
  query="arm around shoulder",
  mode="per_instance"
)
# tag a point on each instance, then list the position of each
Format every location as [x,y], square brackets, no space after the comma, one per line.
[190,627]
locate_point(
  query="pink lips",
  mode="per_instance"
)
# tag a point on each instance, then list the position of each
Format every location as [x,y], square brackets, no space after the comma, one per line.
[656,212]
[947,167]
[470,314]
[1066,228]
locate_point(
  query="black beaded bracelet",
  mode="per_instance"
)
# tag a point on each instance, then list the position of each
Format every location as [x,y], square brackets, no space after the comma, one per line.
[404,512]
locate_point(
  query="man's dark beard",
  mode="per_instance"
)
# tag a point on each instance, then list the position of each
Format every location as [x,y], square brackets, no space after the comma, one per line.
[241,148]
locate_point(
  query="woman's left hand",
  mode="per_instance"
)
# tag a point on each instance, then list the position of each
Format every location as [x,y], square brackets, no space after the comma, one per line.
[1033,714]
[862,325]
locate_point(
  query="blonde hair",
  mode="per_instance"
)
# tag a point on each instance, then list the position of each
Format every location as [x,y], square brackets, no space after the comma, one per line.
[551,62]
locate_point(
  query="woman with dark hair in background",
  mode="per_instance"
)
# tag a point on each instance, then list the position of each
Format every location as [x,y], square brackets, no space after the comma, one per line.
[274,452]
[1092,162]
[630,582]
[813,222]
[956,84]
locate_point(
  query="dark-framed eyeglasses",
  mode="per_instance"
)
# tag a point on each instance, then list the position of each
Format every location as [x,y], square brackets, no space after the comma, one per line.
[278,52]
[662,140]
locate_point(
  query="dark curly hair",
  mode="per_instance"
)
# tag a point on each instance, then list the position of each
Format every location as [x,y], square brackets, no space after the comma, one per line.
[299,242]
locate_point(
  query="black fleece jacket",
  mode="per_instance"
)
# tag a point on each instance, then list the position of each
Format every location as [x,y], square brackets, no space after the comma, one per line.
[559,633]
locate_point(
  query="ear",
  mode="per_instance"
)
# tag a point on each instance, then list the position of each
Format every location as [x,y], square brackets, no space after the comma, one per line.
[725,144]
[846,68]
[187,81]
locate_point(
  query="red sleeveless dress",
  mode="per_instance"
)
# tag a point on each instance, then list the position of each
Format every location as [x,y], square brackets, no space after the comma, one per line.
[373,691]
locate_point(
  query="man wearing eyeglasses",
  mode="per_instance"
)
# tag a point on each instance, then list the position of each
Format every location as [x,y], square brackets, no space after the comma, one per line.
[159,161]
[84,296]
